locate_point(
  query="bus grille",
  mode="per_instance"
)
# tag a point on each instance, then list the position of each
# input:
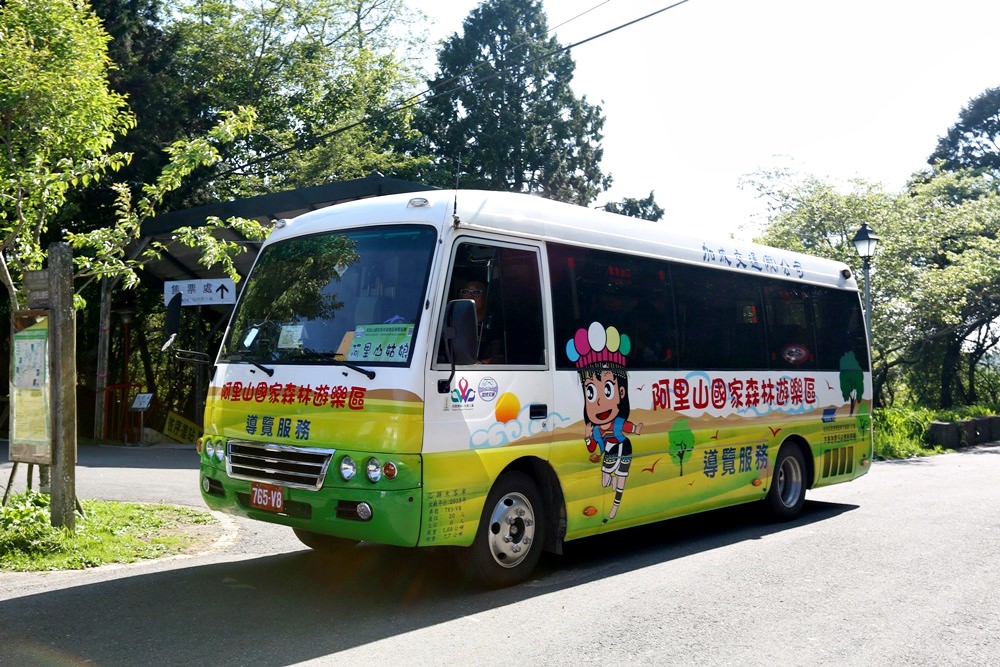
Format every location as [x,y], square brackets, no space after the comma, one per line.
[299,467]
[838,462]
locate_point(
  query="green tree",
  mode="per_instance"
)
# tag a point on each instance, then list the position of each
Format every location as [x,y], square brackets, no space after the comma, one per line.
[974,141]
[57,121]
[321,75]
[935,280]
[104,249]
[954,278]
[681,443]
[503,115]
[811,216]
[143,52]
[646,208]
[311,67]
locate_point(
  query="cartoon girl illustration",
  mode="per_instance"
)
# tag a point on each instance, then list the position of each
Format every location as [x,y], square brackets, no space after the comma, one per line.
[599,355]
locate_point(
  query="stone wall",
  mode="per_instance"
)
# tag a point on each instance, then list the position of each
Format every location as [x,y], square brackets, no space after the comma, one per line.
[965,433]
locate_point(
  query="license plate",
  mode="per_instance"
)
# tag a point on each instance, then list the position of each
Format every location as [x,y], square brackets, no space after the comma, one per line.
[267,497]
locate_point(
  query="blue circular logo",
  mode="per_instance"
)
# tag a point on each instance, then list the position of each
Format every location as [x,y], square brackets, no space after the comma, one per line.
[488,389]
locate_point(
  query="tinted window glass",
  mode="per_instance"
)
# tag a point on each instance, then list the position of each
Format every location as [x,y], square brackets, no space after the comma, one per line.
[631,294]
[504,283]
[720,318]
[791,342]
[677,315]
[840,329]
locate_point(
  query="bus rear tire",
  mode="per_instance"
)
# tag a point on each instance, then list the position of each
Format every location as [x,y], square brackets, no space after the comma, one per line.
[327,544]
[787,494]
[510,536]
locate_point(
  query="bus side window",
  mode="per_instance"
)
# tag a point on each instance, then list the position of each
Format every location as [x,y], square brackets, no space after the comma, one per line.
[504,283]
[790,334]
[720,319]
[632,294]
[840,328]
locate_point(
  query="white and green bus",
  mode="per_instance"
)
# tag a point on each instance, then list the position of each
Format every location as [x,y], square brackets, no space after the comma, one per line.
[502,373]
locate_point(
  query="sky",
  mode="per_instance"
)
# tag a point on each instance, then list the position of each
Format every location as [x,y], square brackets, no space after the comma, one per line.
[709,92]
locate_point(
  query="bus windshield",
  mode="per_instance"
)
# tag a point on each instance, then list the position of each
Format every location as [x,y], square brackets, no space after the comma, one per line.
[350,296]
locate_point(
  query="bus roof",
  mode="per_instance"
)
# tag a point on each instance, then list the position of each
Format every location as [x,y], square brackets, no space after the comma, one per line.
[534,217]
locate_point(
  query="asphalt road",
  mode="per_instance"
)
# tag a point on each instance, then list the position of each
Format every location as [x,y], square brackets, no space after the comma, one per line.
[901,567]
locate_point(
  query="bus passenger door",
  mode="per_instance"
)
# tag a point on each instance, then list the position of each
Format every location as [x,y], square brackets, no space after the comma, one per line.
[497,409]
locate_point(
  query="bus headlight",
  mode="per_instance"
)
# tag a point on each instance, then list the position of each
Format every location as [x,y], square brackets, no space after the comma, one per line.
[348,468]
[210,449]
[220,452]
[374,470]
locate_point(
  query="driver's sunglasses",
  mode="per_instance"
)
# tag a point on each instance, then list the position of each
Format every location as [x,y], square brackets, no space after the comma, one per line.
[470,292]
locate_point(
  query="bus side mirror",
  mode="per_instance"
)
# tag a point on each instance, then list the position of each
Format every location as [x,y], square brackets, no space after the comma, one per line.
[460,337]
[173,320]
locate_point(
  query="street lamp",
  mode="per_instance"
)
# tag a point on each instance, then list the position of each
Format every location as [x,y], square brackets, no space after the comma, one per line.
[864,242]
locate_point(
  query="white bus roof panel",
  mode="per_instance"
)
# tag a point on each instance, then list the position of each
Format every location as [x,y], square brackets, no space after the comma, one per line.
[538,218]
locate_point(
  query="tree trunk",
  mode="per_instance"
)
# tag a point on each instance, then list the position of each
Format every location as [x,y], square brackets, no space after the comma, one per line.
[949,372]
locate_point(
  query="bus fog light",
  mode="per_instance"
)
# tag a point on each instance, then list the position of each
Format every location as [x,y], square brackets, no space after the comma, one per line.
[374,470]
[206,485]
[348,468]
[389,470]
[364,511]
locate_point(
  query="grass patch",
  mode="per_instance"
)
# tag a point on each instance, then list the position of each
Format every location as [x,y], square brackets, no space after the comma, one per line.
[904,432]
[901,433]
[109,532]
[895,446]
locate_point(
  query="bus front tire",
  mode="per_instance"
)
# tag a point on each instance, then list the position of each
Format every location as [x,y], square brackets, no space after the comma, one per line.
[327,544]
[787,494]
[510,536]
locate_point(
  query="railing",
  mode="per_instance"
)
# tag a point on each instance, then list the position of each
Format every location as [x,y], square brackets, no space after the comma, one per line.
[120,423]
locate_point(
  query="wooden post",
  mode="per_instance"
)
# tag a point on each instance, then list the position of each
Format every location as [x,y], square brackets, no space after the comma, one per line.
[62,373]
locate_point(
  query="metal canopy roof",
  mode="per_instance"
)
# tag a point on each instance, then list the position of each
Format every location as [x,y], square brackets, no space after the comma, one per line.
[179,262]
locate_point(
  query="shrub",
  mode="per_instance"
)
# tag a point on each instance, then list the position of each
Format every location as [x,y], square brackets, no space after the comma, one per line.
[25,526]
[903,432]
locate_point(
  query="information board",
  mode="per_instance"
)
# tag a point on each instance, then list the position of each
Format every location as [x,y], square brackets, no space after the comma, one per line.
[141,402]
[30,440]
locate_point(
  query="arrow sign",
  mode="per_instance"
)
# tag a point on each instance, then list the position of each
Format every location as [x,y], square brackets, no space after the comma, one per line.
[201,292]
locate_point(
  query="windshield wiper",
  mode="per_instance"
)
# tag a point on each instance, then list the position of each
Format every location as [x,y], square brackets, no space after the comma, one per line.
[268,371]
[239,358]
[334,359]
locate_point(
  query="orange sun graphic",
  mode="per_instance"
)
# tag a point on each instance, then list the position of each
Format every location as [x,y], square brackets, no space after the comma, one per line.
[508,406]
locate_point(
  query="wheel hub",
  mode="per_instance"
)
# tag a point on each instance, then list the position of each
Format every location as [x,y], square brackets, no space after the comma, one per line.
[512,529]
[789,482]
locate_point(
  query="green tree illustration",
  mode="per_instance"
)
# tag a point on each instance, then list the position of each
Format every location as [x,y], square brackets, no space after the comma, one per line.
[864,420]
[852,379]
[681,442]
